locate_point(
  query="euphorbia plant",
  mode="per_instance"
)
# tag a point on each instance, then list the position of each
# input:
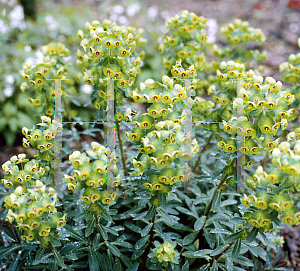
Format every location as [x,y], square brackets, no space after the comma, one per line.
[146,219]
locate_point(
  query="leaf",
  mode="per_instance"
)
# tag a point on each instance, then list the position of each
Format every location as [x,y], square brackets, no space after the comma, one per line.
[252,234]
[165,217]
[114,250]
[7,250]
[138,253]
[197,254]
[14,263]
[126,260]
[9,232]
[140,243]
[189,238]
[186,211]
[107,217]
[133,267]
[219,249]
[214,266]
[236,248]
[216,203]
[209,239]
[146,230]
[243,261]
[123,244]
[90,227]
[43,258]
[150,213]
[199,223]
[228,262]
[232,237]
[102,231]
[162,199]
[96,241]
[73,233]
[58,258]
[77,103]
[222,231]
[93,262]
[186,266]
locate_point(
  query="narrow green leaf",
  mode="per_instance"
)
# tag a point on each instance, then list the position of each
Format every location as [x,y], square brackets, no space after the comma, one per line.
[140,243]
[90,227]
[14,263]
[73,233]
[232,237]
[228,262]
[189,238]
[209,239]
[9,232]
[93,262]
[4,251]
[243,261]
[162,199]
[218,250]
[102,231]
[107,217]
[123,244]
[236,248]
[146,230]
[252,235]
[43,258]
[39,253]
[214,266]
[138,253]
[114,250]
[58,258]
[186,266]
[96,241]
[117,265]
[126,260]
[133,267]
[216,203]
[199,223]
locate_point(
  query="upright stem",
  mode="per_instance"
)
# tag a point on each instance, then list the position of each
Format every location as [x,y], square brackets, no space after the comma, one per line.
[121,147]
[72,125]
[201,151]
[222,181]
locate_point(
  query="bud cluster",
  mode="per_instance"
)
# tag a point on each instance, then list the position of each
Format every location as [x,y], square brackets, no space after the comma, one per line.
[164,253]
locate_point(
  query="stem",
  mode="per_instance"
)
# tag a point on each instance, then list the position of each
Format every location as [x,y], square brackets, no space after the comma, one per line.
[222,181]
[201,151]
[72,126]
[151,233]
[121,148]
[67,110]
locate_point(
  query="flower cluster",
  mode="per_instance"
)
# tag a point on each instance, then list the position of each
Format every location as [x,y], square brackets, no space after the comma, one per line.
[31,204]
[90,172]
[108,52]
[164,253]
[292,68]
[238,34]
[159,132]
[281,179]
[53,67]
[264,104]
[42,138]
[185,39]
